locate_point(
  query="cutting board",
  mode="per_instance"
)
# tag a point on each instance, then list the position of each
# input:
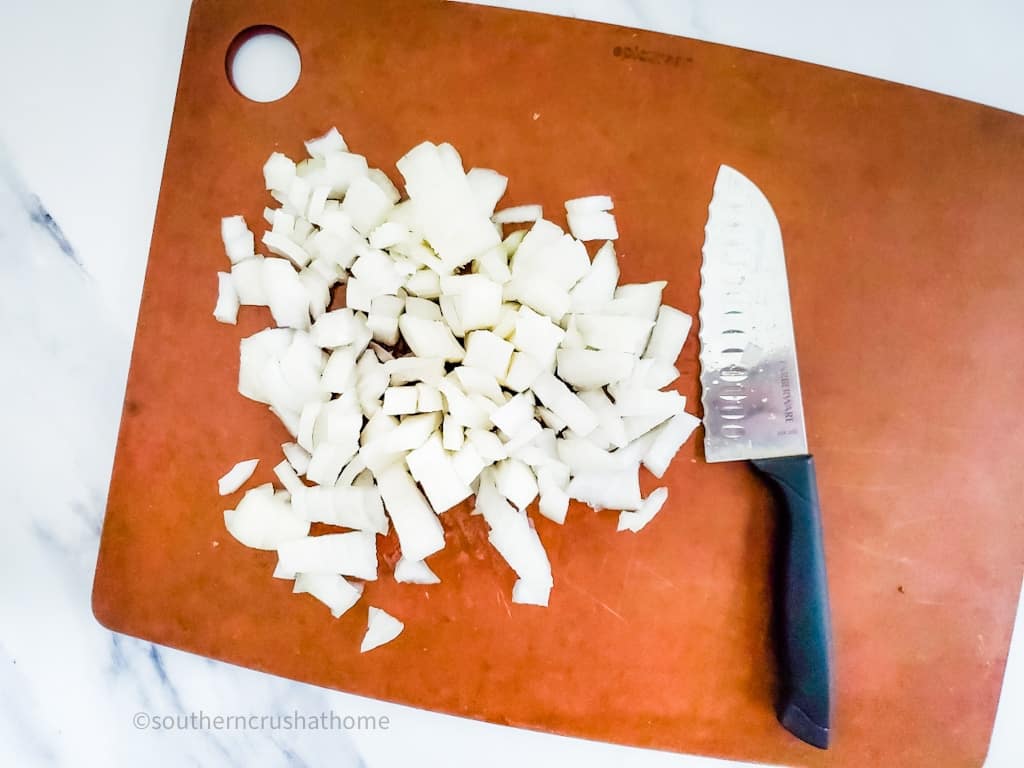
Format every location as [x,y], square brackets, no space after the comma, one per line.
[903,221]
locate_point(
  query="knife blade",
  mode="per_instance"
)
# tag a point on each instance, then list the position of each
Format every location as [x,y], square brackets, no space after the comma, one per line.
[753,410]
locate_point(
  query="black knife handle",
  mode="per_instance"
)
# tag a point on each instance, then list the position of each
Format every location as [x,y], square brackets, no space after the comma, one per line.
[801,601]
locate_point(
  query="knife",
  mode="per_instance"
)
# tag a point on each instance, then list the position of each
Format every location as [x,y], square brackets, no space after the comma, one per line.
[750,389]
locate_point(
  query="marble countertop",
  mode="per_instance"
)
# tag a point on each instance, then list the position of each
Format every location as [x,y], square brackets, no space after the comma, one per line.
[87,94]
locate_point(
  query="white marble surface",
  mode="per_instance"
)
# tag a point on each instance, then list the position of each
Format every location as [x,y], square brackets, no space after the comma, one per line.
[85,102]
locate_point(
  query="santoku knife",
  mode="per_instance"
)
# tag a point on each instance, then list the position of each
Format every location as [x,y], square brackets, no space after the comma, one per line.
[753,411]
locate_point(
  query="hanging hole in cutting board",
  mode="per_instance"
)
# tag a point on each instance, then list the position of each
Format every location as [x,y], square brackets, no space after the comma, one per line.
[263,63]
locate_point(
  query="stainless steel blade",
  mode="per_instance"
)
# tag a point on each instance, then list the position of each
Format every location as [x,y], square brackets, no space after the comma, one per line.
[750,385]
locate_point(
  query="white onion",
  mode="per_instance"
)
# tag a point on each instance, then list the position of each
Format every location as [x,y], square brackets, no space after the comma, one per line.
[518,214]
[236,476]
[297,456]
[262,520]
[488,187]
[531,376]
[419,532]
[488,352]
[350,554]
[593,225]
[432,468]
[247,275]
[414,572]
[589,204]
[289,479]
[669,334]
[597,287]
[634,521]
[226,310]
[381,628]
[330,589]
[668,442]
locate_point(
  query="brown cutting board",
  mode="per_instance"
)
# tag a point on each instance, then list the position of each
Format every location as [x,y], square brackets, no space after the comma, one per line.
[903,218]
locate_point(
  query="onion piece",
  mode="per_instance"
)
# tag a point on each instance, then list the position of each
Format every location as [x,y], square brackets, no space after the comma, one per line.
[566,405]
[518,214]
[592,368]
[332,141]
[414,572]
[288,478]
[589,204]
[399,401]
[637,300]
[279,172]
[474,381]
[247,275]
[669,334]
[538,336]
[350,554]
[516,482]
[331,589]
[488,352]
[616,333]
[611,428]
[514,537]
[444,204]
[407,370]
[226,310]
[494,265]
[531,592]
[351,471]
[523,370]
[608,490]
[239,241]
[488,187]
[428,398]
[514,415]
[634,521]
[419,532]
[280,244]
[431,466]
[430,338]
[452,434]
[468,464]
[552,481]
[328,460]
[262,520]
[593,225]
[597,287]
[236,476]
[668,442]
[297,456]
[486,444]
[381,628]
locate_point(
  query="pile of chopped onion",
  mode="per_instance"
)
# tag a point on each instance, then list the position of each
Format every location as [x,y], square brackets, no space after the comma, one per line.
[466,362]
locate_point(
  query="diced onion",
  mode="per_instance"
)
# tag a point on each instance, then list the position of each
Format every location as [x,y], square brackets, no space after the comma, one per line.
[236,476]
[423,355]
[381,628]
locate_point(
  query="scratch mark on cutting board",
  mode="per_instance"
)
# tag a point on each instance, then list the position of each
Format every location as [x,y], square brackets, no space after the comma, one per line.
[920,519]
[630,564]
[901,451]
[664,579]
[871,486]
[604,605]
[504,601]
[882,555]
